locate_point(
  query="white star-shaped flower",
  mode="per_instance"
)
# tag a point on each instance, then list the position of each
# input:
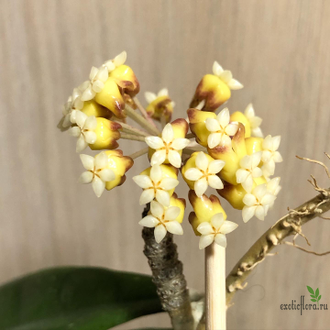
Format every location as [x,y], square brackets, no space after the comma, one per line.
[270,155]
[84,131]
[220,129]
[257,203]
[249,170]
[204,174]
[226,76]
[97,78]
[273,186]
[167,147]
[163,220]
[254,121]
[97,172]
[215,231]
[155,186]
[116,62]
[73,104]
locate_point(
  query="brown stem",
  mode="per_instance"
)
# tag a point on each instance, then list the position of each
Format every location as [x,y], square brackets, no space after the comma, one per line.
[167,274]
[288,225]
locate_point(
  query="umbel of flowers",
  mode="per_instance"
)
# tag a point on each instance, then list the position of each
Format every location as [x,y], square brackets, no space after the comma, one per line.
[223,152]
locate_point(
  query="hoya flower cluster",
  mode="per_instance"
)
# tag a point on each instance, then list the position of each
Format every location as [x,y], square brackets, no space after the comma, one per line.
[225,152]
[93,114]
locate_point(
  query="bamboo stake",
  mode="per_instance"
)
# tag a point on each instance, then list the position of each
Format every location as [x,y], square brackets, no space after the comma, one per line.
[215,287]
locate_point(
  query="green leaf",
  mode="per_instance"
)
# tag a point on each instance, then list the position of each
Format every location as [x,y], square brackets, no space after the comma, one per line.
[313,300]
[310,289]
[318,299]
[312,296]
[316,292]
[75,298]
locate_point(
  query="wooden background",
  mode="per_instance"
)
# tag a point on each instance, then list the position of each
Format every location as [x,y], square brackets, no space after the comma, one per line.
[280,51]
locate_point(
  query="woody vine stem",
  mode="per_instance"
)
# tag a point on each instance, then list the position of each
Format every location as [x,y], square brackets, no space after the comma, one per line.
[221,151]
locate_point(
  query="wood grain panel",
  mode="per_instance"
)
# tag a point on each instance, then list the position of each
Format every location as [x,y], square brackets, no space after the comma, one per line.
[278,49]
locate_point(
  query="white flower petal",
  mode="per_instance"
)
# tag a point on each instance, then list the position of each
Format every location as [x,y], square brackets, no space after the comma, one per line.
[213,140]
[205,228]
[225,140]
[242,175]
[257,132]
[255,122]
[260,191]
[228,227]
[87,161]
[143,181]
[66,121]
[201,161]
[157,210]
[273,185]
[163,197]
[200,187]
[217,221]
[246,162]
[163,92]
[212,125]
[101,160]
[260,212]
[249,111]
[248,183]
[168,133]
[235,84]
[257,172]
[102,74]
[168,183]
[276,142]
[98,186]
[88,94]
[93,72]
[174,158]
[158,157]
[172,213]
[221,240]
[249,200]
[180,143]
[277,157]
[75,131]
[90,137]
[120,59]
[81,119]
[174,227]
[231,129]
[150,97]
[147,196]
[98,86]
[160,233]
[255,159]
[81,144]
[193,174]
[86,177]
[217,68]
[248,212]
[90,123]
[107,175]
[223,117]
[268,199]
[149,221]
[226,76]
[215,182]
[205,241]
[154,142]
[216,166]
[156,173]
